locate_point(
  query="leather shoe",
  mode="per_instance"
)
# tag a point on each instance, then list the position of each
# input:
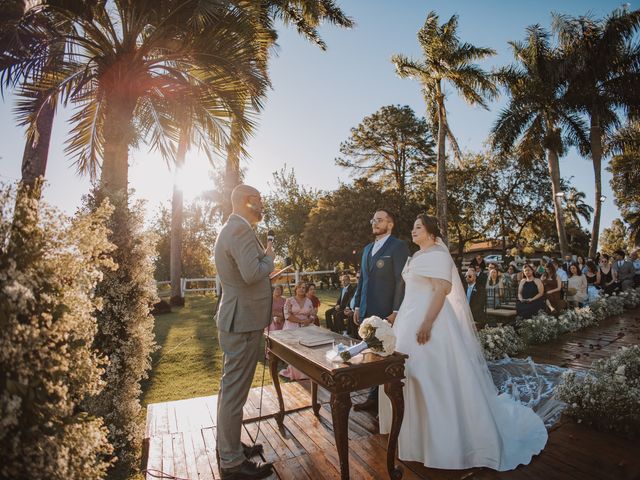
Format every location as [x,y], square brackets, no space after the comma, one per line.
[252,450]
[366,406]
[247,470]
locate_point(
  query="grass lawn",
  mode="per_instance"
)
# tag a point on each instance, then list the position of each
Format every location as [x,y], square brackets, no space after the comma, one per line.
[189,361]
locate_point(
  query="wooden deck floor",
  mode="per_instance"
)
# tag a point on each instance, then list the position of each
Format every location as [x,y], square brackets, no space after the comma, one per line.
[181,435]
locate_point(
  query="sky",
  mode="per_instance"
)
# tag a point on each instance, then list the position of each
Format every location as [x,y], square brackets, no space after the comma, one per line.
[318,96]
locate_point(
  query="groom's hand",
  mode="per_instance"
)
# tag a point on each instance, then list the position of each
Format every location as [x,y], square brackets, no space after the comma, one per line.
[356,316]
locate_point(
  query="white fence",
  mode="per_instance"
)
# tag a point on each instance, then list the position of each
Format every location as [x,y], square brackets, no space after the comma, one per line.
[192,284]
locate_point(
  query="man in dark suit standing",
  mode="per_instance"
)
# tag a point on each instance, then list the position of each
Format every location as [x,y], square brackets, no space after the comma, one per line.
[336,315]
[476,296]
[380,289]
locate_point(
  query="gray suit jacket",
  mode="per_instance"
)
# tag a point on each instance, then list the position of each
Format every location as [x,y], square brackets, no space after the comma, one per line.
[243,269]
[625,272]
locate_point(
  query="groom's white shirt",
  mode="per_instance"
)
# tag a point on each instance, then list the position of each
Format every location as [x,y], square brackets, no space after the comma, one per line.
[377,245]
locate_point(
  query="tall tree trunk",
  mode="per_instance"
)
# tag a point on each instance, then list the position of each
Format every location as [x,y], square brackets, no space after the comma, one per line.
[176,225]
[554,172]
[441,169]
[36,151]
[232,169]
[596,155]
[114,178]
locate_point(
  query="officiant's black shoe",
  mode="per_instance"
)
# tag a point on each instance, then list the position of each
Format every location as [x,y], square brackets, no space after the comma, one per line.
[252,450]
[247,470]
[366,406]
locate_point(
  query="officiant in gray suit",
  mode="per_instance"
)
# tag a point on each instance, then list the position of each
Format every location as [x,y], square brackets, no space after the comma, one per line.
[243,266]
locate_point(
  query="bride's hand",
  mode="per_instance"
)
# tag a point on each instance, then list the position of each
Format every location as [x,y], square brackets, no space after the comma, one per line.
[424,333]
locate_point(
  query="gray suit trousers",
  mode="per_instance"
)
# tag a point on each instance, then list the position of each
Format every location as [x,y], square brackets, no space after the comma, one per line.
[241,352]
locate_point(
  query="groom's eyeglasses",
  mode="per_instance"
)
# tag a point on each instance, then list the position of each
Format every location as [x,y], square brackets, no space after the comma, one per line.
[375,221]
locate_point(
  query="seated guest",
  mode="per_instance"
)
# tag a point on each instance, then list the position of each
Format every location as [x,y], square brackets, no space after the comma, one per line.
[582,265]
[311,295]
[606,280]
[277,309]
[636,265]
[560,271]
[553,290]
[475,296]
[494,288]
[539,269]
[298,313]
[478,261]
[568,260]
[593,292]
[625,271]
[577,287]
[530,294]
[481,275]
[335,316]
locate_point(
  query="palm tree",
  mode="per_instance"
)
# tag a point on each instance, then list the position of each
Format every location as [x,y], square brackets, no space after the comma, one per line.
[536,116]
[306,16]
[575,208]
[446,59]
[177,207]
[605,81]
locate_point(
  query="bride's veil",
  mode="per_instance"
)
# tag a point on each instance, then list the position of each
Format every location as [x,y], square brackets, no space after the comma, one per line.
[458,301]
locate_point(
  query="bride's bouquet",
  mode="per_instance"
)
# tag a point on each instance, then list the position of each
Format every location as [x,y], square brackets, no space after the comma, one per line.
[376,334]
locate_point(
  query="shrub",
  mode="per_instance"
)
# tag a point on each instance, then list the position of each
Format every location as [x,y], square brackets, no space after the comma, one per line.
[608,396]
[125,331]
[49,266]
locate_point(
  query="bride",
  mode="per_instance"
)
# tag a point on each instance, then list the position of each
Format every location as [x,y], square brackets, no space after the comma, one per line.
[454,417]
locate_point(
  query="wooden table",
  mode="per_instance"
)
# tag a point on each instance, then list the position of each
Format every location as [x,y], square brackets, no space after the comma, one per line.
[340,379]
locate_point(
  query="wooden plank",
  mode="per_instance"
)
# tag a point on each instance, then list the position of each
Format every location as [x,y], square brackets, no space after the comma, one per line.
[191,462]
[171,411]
[150,423]
[198,450]
[291,468]
[212,407]
[154,460]
[179,456]
[208,437]
[167,454]
[249,433]
[162,418]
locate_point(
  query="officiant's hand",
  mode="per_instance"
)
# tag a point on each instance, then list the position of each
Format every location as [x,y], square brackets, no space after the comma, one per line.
[356,316]
[424,333]
[269,250]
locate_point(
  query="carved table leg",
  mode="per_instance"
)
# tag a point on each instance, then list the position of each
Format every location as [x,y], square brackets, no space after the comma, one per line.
[394,392]
[314,398]
[273,368]
[340,406]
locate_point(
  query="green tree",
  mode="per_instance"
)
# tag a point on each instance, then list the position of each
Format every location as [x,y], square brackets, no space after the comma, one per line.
[615,237]
[575,208]
[537,116]
[625,180]
[49,268]
[286,212]
[389,146]
[605,81]
[446,60]
[338,227]
[198,239]
[306,16]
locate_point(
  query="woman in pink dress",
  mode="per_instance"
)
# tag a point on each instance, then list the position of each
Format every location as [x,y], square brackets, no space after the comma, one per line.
[298,312]
[277,310]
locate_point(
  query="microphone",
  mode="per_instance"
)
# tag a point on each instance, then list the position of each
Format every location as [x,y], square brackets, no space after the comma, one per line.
[270,236]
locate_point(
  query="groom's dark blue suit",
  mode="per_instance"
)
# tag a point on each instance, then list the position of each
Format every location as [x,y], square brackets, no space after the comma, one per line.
[381,289]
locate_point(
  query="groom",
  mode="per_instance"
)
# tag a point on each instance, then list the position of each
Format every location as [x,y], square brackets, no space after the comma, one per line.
[380,289]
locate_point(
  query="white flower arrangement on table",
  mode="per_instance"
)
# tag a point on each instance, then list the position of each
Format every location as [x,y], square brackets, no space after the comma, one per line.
[498,342]
[608,396]
[377,335]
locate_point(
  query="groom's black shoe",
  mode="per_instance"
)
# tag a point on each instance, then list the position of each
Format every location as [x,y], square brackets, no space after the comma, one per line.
[368,405]
[247,470]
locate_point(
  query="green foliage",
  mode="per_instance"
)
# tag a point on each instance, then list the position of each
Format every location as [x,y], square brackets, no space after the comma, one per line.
[199,235]
[49,267]
[389,147]
[286,212]
[625,181]
[125,330]
[338,226]
[614,238]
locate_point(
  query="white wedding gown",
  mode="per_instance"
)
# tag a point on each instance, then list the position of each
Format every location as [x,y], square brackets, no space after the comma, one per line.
[453,417]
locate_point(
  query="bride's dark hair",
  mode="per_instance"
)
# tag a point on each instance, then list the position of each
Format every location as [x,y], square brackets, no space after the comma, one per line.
[430,224]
